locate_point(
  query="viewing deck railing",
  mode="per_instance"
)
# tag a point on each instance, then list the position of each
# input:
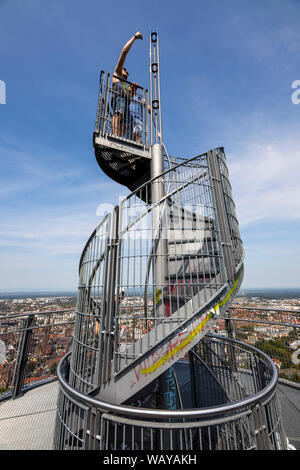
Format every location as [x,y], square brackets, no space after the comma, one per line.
[122,111]
[276,332]
[32,344]
[235,408]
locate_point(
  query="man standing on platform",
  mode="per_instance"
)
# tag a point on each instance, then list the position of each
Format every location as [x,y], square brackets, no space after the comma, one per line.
[122,92]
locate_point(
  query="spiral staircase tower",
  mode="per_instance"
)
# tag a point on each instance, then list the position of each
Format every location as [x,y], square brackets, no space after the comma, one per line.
[159,269]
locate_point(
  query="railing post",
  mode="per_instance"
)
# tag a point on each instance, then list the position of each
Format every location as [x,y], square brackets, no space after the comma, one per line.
[105,117]
[22,357]
[229,326]
[146,118]
[160,267]
[108,324]
[99,117]
[261,435]
[193,378]
[260,374]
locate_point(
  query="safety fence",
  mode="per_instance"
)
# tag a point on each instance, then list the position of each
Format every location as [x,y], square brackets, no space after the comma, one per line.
[48,334]
[274,331]
[31,345]
[149,268]
[122,111]
[236,384]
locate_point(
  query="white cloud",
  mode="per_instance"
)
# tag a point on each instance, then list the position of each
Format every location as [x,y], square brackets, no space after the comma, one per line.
[41,250]
[266,184]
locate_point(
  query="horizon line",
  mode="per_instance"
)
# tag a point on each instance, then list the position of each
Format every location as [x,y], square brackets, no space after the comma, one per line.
[32,291]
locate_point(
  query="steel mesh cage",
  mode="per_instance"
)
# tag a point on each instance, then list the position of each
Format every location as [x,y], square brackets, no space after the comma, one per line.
[190,263]
[129,103]
[230,208]
[235,408]
[90,313]
[149,268]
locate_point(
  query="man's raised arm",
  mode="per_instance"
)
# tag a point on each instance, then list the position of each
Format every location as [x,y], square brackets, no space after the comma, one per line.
[125,50]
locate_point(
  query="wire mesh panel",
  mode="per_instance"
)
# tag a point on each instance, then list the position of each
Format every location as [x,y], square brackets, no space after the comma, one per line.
[235,408]
[273,331]
[10,338]
[122,110]
[121,132]
[235,236]
[71,423]
[31,345]
[126,434]
[89,332]
[170,258]
[238,375]
[153,279]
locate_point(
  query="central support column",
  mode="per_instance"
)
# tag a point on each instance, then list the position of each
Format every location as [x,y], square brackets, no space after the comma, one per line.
[159,241]
[167,397]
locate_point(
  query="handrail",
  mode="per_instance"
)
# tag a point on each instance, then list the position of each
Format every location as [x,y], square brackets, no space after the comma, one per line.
[261,309]
[22,331]
[45,312]
[250,401]
[100,223]
[127,81]
[257,320]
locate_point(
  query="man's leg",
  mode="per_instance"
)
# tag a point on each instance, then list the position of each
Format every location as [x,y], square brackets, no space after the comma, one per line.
[137,137]
[116,125]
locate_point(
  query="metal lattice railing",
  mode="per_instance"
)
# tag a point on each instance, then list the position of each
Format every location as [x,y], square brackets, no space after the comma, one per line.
[228,402]
[162,285]
[235,236]
[122,111]
[91,308]
[276,332]
[31,346]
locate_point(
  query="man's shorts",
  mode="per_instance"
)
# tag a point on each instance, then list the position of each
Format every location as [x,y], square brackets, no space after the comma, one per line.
[119,105]
[119,100]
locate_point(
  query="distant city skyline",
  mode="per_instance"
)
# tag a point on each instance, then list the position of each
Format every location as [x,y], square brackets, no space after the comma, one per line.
[57,292]
[229,72]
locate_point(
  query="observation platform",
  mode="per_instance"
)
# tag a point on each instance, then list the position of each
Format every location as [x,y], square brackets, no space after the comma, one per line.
[121,143]
[27,422]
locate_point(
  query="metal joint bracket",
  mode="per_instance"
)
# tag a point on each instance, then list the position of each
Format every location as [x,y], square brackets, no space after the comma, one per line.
[261,429]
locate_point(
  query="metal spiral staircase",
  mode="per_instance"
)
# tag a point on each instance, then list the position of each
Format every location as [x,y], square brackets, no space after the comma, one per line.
[157,271]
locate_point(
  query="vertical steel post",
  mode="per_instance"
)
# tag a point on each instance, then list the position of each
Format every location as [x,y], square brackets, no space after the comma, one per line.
[167,383]
[146,121]
[99,117]
[193,377]
[229,327]
[22,357]
[105,117]
[108,325]
[158,229]
[155,104]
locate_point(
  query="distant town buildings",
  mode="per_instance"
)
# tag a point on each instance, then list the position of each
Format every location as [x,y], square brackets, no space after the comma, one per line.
[272,325]
[49,338]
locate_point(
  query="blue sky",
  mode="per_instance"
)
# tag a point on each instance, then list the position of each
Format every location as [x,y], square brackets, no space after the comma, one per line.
[226,74]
